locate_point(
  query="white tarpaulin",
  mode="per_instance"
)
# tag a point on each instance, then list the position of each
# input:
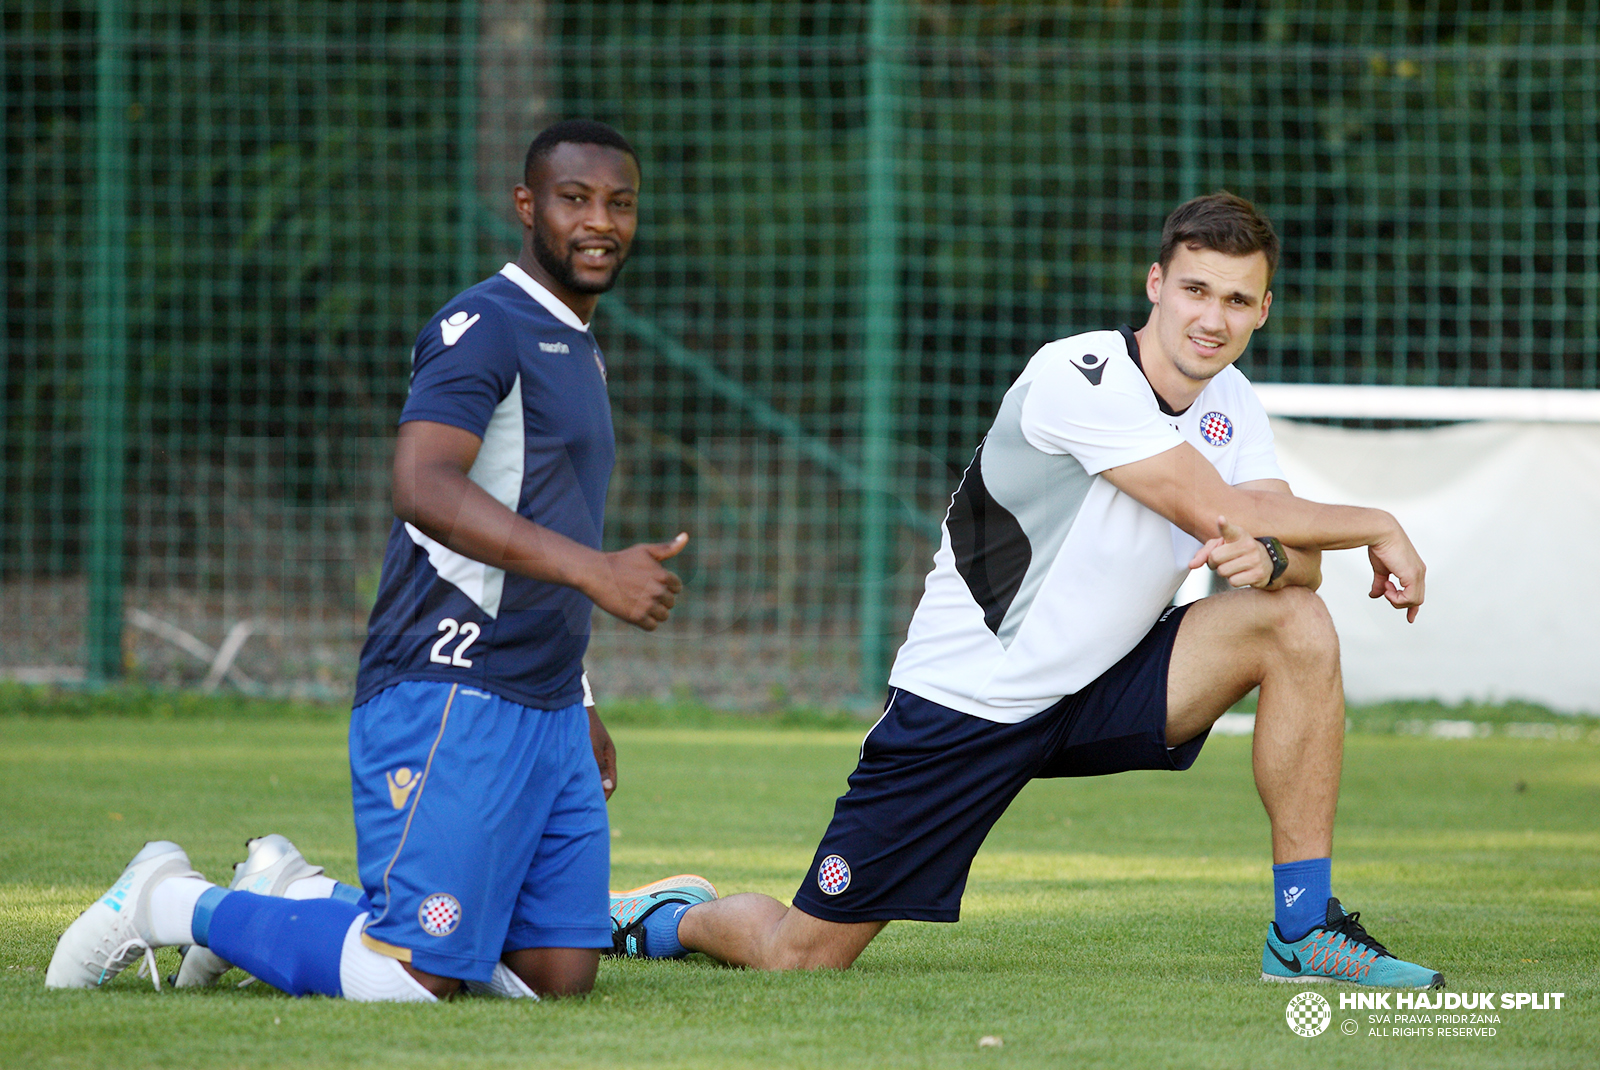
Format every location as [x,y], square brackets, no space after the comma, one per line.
[1507,517]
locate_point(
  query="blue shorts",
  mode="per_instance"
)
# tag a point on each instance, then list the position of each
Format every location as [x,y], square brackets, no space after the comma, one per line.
[932,781]
[480,827]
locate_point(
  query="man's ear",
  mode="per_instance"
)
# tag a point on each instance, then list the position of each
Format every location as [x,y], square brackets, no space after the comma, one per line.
[522,199]
[1152,283]
[1266,304]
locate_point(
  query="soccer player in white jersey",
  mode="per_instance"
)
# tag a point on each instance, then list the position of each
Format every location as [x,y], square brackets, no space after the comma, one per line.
[1045,644]
[478,766]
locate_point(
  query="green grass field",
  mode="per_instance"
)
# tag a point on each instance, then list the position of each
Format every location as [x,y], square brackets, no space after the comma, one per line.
[1109,922]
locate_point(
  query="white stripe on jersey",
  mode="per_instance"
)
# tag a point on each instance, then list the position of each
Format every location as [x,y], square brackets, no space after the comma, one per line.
[498,470]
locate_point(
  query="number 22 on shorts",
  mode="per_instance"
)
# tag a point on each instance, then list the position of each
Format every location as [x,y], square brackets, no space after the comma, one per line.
[469,633]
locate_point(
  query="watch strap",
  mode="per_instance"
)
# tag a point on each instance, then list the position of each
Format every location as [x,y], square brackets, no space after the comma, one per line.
[1278,555]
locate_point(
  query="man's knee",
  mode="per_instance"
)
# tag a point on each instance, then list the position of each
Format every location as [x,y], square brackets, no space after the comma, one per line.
[810,958]
[556,971]
[802,942]
[1301,627]
[565,983]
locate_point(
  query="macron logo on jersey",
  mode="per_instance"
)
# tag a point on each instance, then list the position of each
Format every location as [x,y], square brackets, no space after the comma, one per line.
[457,325]
[554,347]
[1091,366]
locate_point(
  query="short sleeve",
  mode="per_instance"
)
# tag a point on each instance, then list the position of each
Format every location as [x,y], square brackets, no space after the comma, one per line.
[1257,457]
[1094,405]
[463,366]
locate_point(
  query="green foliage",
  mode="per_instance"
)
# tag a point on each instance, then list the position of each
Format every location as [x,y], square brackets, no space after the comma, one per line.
[137,704]
[302,184]
[33,701]
[291,190]
[1384,717]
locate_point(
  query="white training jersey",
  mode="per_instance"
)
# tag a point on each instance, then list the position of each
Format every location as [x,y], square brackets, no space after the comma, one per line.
[1046,574]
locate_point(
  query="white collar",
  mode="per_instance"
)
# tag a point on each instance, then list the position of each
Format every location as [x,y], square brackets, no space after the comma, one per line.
[558,308]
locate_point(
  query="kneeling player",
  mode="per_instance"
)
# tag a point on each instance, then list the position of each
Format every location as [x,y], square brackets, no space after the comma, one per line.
[480,815]
[1043,645]
[161,901]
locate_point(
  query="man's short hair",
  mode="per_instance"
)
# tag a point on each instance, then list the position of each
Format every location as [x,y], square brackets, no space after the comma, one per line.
[1222,221]
[574,132]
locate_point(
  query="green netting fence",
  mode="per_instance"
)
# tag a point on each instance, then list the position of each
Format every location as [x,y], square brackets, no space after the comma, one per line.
[225,221]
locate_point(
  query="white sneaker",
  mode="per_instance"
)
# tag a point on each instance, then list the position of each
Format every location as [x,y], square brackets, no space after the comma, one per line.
[115,930]
[271,865]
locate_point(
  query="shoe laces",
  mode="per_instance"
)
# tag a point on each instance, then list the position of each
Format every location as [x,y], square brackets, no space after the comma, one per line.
[121,956]
[1350,928]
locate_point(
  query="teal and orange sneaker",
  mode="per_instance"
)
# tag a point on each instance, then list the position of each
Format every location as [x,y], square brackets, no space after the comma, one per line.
[1340,950]
[631,910]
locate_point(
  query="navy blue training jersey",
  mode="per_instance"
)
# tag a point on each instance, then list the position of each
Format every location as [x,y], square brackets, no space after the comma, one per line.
[507,361]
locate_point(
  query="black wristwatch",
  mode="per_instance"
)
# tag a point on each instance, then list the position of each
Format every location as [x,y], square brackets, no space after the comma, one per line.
[1280,558]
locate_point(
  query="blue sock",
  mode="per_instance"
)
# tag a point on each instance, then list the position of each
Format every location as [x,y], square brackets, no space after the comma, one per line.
[200,921]
[1300,892]
[661,932]
[350,894]
[292,944]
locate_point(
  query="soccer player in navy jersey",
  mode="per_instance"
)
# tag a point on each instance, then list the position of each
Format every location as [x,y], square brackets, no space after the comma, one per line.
[1045,644]
[479,767]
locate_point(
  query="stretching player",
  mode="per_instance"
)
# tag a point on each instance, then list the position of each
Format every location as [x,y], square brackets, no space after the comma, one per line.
[1044,645]
[481,827]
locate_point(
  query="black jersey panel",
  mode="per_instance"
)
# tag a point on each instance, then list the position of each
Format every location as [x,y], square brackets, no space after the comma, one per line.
[992,551]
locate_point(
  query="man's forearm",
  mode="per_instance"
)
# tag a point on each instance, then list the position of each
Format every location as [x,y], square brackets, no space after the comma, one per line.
[1305,569]
[451,509]
[1308,525]
[1183,486]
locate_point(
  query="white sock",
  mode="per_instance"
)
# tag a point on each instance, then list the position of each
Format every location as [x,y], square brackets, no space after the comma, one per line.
[504,983]
[172,905]
[318,887]
[368,977]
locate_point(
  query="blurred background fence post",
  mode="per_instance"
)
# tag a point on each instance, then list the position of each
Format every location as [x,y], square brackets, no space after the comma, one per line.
[880,335]
[468,268]
[106,371]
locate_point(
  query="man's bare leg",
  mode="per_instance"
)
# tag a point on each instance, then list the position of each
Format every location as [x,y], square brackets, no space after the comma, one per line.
[759,932]
[555,971]
[549,971]
[1283,642]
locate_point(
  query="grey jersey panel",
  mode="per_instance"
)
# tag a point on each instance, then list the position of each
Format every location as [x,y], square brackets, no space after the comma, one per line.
[1044,491]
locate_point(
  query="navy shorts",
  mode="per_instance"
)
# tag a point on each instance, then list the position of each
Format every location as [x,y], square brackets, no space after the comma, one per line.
[932,781]
[480,827]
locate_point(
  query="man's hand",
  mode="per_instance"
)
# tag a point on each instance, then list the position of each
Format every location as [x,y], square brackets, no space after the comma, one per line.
[1184,487]
[433,493]
[1236,556]
[1397,573]
[634,587]
[605,753]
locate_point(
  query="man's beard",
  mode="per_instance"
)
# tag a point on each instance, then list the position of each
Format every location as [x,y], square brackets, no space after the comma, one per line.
[561,269]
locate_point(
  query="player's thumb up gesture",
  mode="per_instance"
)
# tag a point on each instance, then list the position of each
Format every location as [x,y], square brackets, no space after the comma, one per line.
[635,586]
